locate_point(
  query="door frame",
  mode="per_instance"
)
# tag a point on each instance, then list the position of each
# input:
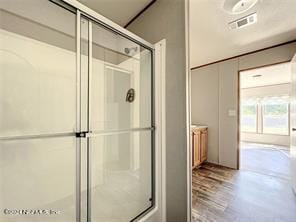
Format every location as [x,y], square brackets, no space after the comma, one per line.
[239,101]
[74,5]
[158,210]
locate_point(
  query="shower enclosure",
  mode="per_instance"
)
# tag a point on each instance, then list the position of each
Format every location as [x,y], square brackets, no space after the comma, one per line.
[76,116]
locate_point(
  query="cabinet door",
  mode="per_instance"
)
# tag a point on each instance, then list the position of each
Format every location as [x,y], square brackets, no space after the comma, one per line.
[192,147]
[197,143]
[204,145]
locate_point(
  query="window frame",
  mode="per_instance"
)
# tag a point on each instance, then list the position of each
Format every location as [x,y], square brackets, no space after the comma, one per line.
[260,119]
[276,134]
[256,127]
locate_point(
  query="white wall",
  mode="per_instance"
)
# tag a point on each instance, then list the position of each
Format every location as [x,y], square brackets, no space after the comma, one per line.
[228,125]
[227,74]
[205,105]
[273,90]
[265,139]
[165,19]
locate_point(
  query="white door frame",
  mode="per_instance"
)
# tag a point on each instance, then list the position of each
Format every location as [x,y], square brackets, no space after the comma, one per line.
[292,125]
[158,214]
[188,112]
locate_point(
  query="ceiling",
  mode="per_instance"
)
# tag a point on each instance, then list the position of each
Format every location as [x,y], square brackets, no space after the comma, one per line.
[212,40]
[119,11]
[271,75]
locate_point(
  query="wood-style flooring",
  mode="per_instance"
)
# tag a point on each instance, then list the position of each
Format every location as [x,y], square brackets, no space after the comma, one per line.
[224,195]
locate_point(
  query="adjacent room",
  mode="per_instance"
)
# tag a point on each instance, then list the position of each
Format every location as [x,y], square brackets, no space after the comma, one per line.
[242,121]
[265,120]
[240,138]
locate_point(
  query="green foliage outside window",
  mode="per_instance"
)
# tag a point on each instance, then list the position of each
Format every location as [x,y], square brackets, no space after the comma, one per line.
[249,109]
[276,109]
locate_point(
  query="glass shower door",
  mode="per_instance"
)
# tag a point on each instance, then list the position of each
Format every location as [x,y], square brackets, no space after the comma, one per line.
[37,112]
[120,153]
[76,123]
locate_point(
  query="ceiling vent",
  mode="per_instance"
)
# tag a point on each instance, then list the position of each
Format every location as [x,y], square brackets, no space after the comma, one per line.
[243,22]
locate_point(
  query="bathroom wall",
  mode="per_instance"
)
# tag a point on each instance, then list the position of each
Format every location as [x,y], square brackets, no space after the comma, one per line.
[224,129]
[165,19]
[205,105]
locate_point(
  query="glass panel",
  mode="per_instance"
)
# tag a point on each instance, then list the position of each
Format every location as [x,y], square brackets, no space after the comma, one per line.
[276,117]
[38,180]
[38,68]
[120,169]
[121,82]
[84,69]
[249,117]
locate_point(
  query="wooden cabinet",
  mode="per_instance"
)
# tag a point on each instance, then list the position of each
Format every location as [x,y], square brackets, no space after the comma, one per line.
[199,137]
[196,143]
[204,145]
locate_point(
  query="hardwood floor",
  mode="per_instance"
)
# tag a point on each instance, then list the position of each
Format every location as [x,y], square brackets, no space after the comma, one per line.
[224,195]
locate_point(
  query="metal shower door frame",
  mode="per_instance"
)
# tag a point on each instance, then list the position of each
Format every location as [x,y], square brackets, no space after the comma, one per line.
[83,133]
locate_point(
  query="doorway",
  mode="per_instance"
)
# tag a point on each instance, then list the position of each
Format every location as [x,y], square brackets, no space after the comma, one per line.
[259,188]
[265,119]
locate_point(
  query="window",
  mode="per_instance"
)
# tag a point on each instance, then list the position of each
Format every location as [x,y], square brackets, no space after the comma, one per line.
[249,117]
[275,117]
[269,115]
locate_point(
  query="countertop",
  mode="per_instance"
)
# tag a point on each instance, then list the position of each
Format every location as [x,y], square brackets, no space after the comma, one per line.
[198,127]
